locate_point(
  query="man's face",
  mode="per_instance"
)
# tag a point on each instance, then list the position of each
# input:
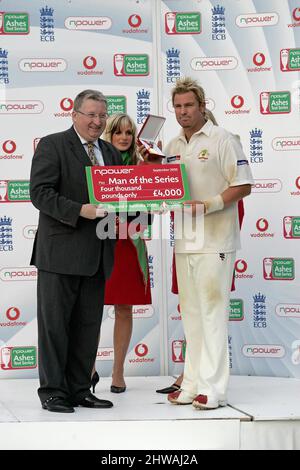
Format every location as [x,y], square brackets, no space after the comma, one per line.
[90,120]
[189,114]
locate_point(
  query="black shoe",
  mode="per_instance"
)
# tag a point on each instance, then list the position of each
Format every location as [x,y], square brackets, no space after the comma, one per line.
[173,388]
[90,401]
[95,379]
[58,405]
[115,389]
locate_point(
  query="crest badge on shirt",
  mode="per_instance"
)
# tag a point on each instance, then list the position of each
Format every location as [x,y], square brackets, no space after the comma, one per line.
[203,155]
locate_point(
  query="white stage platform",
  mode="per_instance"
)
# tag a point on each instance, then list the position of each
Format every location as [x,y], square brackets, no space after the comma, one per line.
[263,413]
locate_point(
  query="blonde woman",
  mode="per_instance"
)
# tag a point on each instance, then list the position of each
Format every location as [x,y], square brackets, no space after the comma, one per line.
[129,283]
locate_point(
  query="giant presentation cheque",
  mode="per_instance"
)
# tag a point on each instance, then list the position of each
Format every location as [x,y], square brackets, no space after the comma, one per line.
[139,187]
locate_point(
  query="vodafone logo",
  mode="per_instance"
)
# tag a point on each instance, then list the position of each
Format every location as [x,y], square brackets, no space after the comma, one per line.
[296,14]
[240,266]
[141,350]
[297,182]
[259,59]
[13,313]
[66,104]
[134,21]
[262,225]
[9,146]
[89,62]
[237,101]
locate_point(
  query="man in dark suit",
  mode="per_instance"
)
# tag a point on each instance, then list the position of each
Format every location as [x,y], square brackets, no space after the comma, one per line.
[72,261]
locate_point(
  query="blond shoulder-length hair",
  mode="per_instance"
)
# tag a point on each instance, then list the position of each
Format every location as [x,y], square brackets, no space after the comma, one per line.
[187,84]
[114,124]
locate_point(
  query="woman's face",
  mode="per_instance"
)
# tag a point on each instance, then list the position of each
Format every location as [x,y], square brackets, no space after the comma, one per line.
[122,139]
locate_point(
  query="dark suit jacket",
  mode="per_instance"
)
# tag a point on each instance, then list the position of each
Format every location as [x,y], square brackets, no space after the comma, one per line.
[66,243]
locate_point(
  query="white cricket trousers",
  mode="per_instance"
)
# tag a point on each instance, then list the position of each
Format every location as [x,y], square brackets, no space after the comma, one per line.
[204,283]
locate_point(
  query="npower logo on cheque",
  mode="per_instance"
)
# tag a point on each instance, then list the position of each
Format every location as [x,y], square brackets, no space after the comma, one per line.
[263,350]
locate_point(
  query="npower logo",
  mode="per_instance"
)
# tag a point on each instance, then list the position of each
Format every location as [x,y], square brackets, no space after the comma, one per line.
[256,20]
[66,104]
[9,146]
[288,310]
[138,311]
[119,171]
[286,143]
[134,21]
[105,354]
[18,274]
[263,350]
[213,63]
[89,62]
[267,186]
[21,107]
[88,22]
[42,65]
[141,350]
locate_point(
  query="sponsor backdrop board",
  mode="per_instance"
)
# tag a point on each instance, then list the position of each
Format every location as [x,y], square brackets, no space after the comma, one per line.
[247,57]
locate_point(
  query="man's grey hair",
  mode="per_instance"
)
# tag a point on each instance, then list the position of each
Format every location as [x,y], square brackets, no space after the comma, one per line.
[88,95]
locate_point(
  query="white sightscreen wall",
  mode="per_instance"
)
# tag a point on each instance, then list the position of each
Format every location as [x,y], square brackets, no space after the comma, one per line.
[247,57]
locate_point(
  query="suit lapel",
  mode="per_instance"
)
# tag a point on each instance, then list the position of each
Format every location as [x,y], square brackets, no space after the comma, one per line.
[106,155]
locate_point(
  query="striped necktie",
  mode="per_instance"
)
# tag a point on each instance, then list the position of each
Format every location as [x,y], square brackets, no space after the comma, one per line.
[91,153]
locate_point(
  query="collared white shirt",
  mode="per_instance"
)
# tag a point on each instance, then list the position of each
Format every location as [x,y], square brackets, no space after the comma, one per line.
[214,161]
[97,149]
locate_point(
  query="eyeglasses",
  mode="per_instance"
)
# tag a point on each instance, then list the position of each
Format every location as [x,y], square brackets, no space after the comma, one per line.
[102,117]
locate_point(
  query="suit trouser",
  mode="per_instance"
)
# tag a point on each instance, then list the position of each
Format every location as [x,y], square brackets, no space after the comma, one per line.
[69,314]
[204,282]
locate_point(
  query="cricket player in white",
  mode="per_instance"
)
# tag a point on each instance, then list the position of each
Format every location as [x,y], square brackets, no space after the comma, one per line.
[219,176]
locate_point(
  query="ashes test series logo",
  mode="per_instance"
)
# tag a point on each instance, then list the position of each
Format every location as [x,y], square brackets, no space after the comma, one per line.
[131,65]
[116,104]
[24,357]
[183,23]
[291,227]
[14,23]
[236,310]
[290,60]
[14,191]
[275,102]
[178,350]
[279,269]
[4,78]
